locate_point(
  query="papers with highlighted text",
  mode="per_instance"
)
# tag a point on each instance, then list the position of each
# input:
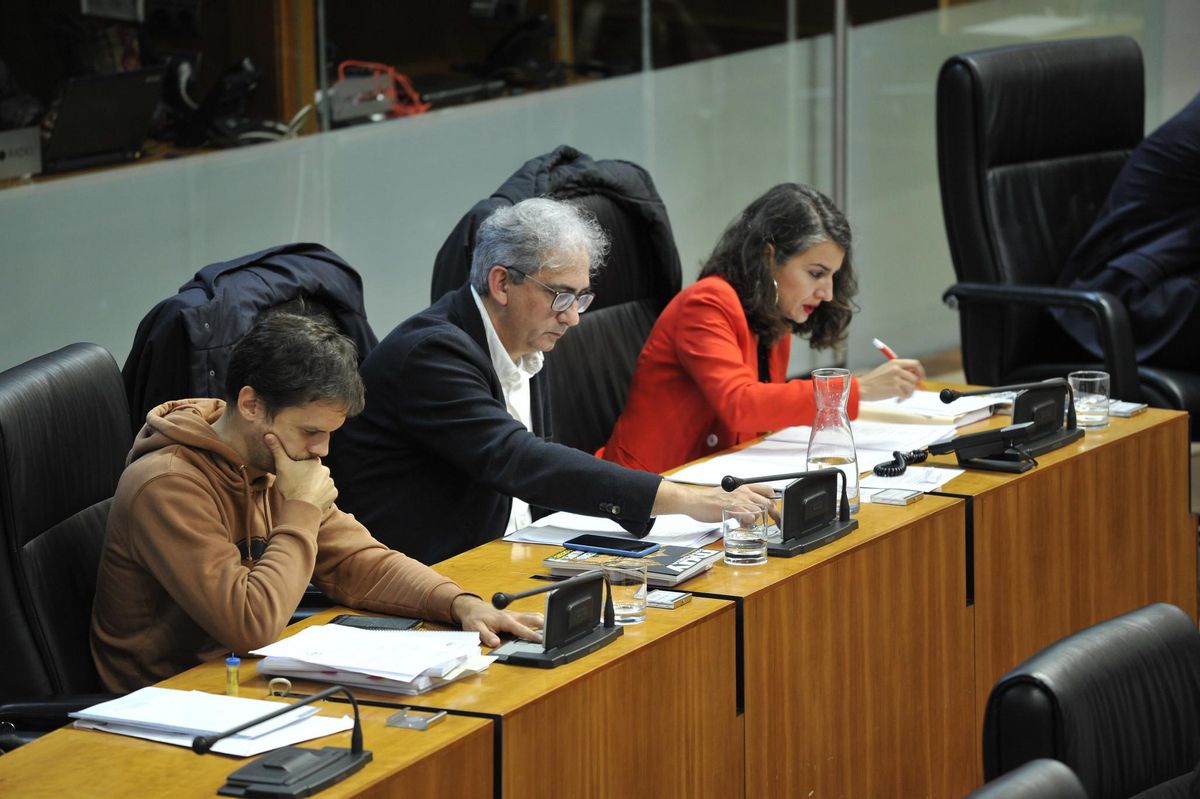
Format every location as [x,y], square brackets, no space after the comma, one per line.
[171,716]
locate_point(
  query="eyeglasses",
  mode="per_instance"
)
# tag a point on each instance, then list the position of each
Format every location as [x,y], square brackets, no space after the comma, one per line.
[563,300]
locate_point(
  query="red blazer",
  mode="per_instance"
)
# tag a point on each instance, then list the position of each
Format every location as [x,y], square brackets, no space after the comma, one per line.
[695,390]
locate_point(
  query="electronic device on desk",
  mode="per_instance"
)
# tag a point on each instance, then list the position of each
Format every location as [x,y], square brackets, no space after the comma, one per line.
[611,545]
[376,622]
[292,770]
[571,629]
[1049,405]
[102,119]
[666,567]
[812,514]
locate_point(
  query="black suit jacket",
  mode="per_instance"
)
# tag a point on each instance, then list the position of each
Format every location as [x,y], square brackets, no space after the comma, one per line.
[1144,246]
[432,463]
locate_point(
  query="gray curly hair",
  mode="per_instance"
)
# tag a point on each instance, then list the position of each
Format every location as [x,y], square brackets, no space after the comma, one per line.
[534,234]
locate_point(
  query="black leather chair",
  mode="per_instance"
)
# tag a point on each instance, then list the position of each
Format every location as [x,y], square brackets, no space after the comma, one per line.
[1118,702]
[1030,138]
[64,435]
[1037,779]
[590,368]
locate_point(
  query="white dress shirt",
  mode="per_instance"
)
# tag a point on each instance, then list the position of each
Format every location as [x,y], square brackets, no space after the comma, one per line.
[514,381]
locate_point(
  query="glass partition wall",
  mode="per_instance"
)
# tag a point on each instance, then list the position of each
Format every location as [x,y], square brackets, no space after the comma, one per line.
[717,104]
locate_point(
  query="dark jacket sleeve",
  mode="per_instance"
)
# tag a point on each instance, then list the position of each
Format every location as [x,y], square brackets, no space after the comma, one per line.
[448,405]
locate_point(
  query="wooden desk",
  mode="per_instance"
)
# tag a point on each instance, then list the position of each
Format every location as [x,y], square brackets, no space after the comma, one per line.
[858,674]
[1100,527]
[657,706]
[452,758]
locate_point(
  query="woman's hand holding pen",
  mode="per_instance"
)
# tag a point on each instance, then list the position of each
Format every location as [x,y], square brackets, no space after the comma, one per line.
[896,378]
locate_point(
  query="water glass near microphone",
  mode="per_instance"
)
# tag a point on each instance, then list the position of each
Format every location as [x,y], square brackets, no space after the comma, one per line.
[627,581]
[744,530]
[1090,390]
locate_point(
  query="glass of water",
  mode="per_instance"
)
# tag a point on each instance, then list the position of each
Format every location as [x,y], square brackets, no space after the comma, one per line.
[627,581]
[744,527]
[1090,390]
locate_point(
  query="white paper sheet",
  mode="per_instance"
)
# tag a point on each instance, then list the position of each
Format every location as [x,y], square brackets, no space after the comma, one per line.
[393,654]
[916,478]
[189,712]
[238,745]
[669,530]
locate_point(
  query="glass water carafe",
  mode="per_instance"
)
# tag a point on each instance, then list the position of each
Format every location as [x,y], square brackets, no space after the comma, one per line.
[831,443]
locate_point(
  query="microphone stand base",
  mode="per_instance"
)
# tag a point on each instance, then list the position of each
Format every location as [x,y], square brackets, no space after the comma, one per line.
[294,771]
[522,653]
[791,547]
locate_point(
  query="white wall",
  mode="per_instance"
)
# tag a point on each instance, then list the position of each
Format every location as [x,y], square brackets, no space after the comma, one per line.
[84,257]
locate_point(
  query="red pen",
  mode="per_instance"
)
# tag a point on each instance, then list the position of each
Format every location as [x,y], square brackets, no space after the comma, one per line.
[890,354]
[887,351]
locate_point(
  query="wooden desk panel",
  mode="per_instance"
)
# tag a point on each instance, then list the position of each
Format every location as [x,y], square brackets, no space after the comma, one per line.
[454,758]
[858,672]
[1099,528]
[657,706]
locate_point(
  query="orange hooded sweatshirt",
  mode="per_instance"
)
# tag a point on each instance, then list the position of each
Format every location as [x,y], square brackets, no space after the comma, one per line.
[173,588]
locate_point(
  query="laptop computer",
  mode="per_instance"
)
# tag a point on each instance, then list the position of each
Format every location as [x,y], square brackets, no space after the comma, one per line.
[103,119]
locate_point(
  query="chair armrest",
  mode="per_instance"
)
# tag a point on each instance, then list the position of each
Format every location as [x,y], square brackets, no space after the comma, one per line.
[1112,321]
[49,712]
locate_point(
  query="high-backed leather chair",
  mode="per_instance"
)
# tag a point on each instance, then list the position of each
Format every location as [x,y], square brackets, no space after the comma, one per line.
[64,435]
[1037,779]
[1118,702]
[590,368]
[183,344]
[1030,138]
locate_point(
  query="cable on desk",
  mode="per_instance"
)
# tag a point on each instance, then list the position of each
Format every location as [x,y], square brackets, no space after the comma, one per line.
[895,468]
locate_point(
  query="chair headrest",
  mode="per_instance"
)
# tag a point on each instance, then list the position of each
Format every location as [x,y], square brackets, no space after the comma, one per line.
[64,435]
[1051,99]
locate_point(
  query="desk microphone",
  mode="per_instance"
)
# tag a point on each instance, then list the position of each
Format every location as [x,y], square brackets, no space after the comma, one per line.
[501,600]
[729,482]
[949,395]
[571,629]
[291,770]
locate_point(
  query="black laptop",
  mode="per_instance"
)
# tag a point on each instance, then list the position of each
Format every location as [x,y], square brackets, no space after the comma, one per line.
[103,119]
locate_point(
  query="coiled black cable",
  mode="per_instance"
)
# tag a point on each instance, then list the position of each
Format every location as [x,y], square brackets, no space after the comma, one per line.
[895,468]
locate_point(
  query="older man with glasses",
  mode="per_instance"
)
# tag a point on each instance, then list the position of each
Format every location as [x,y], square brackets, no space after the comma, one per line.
[455,442]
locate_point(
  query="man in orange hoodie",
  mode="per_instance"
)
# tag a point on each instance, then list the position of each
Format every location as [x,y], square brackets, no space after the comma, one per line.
[225,513]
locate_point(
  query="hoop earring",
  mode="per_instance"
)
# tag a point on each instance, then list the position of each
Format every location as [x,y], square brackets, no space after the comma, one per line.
[776,282]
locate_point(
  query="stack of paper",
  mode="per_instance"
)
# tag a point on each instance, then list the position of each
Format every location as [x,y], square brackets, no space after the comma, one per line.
[398,661]
[669,530]
[176,717]
[926,407]
[786,451]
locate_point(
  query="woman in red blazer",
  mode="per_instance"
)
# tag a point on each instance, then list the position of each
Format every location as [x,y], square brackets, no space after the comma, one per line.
[713,371]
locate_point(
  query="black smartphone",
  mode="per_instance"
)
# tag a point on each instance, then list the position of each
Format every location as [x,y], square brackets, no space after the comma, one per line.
[376,622]
[610,545]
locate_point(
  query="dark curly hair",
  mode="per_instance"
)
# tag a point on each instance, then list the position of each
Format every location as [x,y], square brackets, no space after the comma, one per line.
[792,218]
